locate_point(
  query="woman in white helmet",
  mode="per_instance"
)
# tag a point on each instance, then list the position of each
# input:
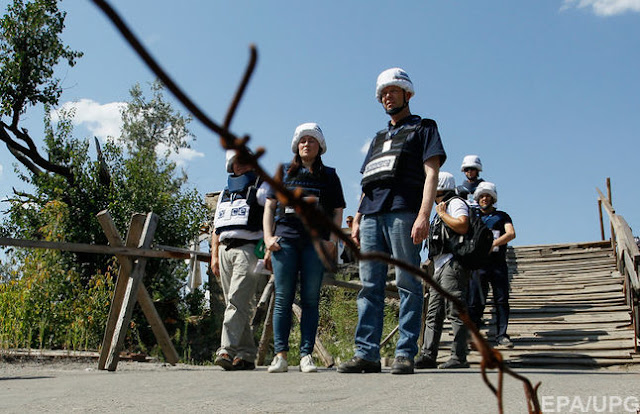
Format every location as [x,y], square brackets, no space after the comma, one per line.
[495,272]
[291,247]
[471,167]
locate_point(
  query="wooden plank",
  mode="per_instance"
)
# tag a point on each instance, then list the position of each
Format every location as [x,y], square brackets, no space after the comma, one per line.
[131,293]
[390,290]
[630,268]
[133,236]
[267,332]
[157,326]
[108,250]
[558,246]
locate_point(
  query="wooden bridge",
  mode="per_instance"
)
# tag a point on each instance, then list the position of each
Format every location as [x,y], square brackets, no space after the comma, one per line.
[571,304]
[568,308]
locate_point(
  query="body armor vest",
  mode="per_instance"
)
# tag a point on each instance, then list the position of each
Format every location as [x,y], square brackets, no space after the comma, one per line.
[312,185]
[386,156]
[239,209]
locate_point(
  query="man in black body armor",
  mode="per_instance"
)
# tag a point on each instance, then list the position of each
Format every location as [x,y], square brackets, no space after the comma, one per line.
[237,230]
[400,175]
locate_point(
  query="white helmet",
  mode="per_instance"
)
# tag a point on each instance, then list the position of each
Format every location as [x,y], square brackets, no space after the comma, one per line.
[230,156]
[471,161]
[311,129]
[393,77]
[446,182]
[486,187]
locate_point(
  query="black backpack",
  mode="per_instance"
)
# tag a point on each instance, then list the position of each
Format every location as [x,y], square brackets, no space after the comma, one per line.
[471,249]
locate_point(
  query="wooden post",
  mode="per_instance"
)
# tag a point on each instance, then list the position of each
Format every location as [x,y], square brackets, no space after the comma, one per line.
[143,297]
[263,303]
[135,230]
[318,347]
[267,332]
[131,293]
[388,337]
[635,311]
[613,234]
[601,220]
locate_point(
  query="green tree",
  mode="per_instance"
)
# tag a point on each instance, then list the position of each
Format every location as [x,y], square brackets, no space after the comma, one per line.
[30,49]
[132,173]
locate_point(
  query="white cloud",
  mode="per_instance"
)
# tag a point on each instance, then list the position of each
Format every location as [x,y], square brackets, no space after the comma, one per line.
[183,156]
[365,148]
[1,170]
[102,121]
[604,7]
[105,121]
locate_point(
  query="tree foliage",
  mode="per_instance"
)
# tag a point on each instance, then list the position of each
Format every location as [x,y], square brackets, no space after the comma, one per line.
[30,48]
[131,173]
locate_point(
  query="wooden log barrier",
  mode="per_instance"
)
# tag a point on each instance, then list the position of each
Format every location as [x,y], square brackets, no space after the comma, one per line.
[142,296]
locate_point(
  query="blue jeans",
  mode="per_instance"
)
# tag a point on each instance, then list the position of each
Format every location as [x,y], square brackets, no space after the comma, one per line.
[388,233]
[296,256]
[496,274]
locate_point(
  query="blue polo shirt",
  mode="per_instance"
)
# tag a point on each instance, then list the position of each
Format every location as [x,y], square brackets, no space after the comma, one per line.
[421,144]
[496,221]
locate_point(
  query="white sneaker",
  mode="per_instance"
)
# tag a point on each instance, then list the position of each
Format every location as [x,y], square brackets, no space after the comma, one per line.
[307,365]
[279,364]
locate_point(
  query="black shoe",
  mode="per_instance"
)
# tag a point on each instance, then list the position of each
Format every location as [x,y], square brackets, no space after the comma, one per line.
[402,365]
[358,365]
[453,364]
[425,361]
[504,342]
[240,364]
[224,361]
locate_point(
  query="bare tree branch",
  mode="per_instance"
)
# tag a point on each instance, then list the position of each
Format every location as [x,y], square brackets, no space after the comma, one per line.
[29,155]
[24,160]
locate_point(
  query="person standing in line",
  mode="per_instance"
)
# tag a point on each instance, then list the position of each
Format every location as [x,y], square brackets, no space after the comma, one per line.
[471,167]
[291,248]
[451,220]
[495,272]
[349,221]
[399,179]
[347,255]
[237,230]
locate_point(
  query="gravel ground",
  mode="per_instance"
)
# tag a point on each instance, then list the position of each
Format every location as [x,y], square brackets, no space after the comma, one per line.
[61,386]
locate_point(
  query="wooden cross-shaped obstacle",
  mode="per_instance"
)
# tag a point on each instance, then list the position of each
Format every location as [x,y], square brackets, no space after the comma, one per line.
[129,289]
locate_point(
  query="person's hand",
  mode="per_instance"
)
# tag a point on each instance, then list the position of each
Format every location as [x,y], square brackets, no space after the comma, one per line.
[331,248]
[267,261]
[420,229]
[441,209]
[355,232]
[215,266]
[271,243]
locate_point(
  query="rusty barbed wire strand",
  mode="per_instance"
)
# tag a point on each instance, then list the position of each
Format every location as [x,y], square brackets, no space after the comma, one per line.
[491,358]
[243,85]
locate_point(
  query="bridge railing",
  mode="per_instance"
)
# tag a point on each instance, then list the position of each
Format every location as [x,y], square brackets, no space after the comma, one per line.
[627,260]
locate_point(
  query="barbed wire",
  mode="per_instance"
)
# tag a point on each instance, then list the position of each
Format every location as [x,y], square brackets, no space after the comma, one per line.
[311,217]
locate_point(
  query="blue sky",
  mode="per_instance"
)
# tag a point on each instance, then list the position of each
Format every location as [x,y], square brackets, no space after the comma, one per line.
[546,92]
